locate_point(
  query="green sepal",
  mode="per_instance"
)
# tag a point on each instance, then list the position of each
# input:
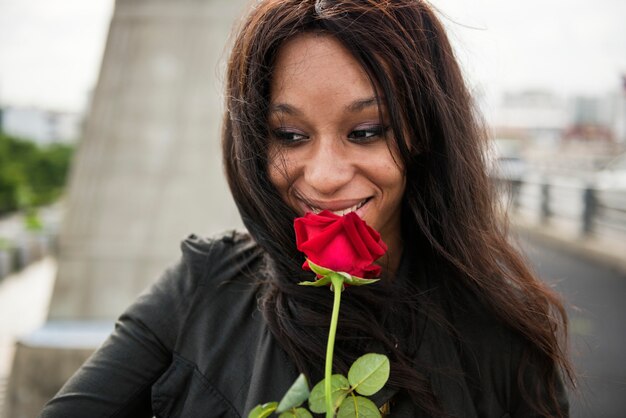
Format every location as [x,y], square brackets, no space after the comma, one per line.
[358,407]
[296,413]
[324,281]
[322,271]
[340,387]
[357,281]
[297,393]
[326,273]
[369,373]
[263,411]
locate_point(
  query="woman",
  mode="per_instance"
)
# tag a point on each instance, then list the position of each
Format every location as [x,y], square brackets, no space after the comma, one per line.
[348,105]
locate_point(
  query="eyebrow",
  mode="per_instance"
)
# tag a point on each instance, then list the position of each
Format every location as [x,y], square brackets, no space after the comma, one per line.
[359,105]
[354,107]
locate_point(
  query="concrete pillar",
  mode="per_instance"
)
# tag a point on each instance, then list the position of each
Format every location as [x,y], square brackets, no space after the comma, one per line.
[147,173]
[149,170]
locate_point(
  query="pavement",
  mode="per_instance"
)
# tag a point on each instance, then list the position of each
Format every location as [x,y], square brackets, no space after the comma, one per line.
[24,300]
[608,251]
[593,293]
[590,274]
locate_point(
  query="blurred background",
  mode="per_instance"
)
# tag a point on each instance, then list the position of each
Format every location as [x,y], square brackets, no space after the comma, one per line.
[109,156]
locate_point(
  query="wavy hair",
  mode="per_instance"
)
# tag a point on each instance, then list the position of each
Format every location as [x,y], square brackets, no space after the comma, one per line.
[450,215]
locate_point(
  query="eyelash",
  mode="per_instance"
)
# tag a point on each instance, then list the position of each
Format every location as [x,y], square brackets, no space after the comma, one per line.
[368,134]
[287,137]
[359,136]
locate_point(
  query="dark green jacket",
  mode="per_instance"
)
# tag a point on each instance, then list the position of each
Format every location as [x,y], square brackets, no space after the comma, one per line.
[196,345]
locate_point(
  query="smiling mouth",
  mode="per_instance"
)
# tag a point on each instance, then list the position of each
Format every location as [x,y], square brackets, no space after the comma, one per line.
[340,212]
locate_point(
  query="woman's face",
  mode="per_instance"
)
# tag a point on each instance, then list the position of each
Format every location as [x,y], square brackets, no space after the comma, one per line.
[330,149]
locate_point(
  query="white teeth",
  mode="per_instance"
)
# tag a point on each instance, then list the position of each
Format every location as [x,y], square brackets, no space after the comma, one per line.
[342,211]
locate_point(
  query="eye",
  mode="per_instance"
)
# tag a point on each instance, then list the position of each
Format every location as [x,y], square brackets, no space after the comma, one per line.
[289,136]
[367,133]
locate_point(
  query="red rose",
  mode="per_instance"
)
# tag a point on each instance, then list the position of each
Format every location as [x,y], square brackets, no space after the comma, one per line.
[340,243]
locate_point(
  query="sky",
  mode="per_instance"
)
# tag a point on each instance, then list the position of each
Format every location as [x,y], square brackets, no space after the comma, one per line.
[50,50]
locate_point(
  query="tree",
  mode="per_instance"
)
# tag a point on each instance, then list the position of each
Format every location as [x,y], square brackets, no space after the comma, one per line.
[31,175]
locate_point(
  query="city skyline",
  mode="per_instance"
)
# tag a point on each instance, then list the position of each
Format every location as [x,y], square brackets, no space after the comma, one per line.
[50,53]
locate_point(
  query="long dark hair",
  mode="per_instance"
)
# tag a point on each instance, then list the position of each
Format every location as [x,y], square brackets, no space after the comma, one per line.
[450,214]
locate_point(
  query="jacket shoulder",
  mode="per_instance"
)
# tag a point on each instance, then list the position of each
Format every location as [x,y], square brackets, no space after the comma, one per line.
[220,257]
[195,246]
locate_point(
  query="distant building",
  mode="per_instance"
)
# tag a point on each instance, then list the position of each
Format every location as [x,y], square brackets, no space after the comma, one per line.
[591,119]
[590,110]
[40,125]
[541,118]
[535,115]
[619,111]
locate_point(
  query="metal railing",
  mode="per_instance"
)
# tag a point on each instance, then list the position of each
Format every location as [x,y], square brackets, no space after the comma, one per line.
[570,203]
[21,246]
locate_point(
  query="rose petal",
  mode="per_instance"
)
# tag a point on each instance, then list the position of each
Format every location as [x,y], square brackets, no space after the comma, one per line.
[339,243]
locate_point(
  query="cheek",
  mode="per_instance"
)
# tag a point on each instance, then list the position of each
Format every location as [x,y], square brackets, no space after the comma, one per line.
[392,173]
[396,181]
[277,170]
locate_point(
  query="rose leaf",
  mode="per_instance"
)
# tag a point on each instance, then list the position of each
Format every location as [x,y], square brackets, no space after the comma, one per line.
[296,413]
[297,393]
[263,411]
[358,407]
[339,389]
[369,373]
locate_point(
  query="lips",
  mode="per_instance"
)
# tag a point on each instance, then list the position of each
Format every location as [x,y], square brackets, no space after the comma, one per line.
[340,207]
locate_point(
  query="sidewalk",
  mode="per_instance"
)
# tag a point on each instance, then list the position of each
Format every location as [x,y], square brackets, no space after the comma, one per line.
[24,300]
[605,251]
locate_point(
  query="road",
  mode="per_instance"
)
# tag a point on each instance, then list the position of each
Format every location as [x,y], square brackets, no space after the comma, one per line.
[595,298]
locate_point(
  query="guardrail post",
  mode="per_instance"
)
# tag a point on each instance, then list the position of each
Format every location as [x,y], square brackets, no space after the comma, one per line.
[516,187]
[545,203]
[7,262]
[589,210]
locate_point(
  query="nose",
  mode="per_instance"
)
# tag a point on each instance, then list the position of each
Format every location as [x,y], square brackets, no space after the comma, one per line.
[328,167]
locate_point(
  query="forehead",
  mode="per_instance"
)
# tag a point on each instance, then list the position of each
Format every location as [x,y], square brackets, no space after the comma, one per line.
[317,66]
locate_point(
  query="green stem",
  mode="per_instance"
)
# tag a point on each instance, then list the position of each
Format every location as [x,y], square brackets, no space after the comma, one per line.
[337,281]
